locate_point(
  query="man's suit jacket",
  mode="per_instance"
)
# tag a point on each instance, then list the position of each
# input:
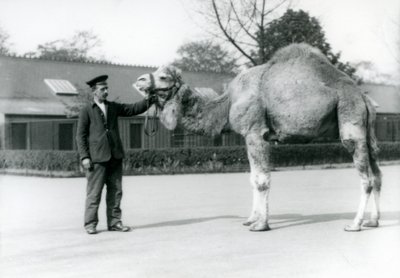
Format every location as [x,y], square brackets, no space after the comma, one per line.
[98,135]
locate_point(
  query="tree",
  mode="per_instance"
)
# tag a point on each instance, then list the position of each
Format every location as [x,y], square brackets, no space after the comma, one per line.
[205,56]
[238,22]
[78,48]
[4,43]
[253,28]
[296,27]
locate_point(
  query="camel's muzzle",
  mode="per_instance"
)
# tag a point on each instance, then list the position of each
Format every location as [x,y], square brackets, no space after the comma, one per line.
[142,85]
[146,85]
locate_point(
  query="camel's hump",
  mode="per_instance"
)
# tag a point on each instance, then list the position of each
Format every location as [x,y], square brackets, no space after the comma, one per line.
[296,51]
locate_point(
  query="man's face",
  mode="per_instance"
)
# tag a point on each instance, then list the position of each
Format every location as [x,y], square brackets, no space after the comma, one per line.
[101,93]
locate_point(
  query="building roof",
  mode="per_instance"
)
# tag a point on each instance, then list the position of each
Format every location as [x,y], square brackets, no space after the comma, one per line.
[23,90]
[387,97]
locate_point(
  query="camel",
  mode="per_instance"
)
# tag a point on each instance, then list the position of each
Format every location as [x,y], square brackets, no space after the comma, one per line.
[296,96]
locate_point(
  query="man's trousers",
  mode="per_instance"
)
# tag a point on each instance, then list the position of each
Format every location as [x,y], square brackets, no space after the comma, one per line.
[110,174]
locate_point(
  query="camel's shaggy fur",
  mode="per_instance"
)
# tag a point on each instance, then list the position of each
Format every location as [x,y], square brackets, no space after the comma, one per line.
[296,97]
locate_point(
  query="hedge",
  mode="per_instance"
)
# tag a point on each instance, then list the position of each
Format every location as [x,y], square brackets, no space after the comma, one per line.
[41,162]
[186,160]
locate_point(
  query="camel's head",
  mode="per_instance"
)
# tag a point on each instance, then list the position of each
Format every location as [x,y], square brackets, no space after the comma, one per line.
[163,83]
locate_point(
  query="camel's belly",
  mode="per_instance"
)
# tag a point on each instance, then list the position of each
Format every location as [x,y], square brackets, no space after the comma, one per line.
[301,128]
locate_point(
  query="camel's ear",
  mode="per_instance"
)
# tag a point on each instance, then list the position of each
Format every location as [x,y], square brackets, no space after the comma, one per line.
[178,72]
[174,69]
[177,76]
[178,82]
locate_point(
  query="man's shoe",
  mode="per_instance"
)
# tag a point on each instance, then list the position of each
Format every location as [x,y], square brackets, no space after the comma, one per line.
[91,231]
[119,228]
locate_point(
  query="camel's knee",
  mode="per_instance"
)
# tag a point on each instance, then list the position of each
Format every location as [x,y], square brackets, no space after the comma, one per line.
[260,181]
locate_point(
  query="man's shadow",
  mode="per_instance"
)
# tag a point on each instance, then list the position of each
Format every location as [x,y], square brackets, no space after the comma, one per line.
[186,221]
[280,221]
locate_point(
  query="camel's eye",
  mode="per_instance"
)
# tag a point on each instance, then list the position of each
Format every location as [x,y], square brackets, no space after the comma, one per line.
[163,78]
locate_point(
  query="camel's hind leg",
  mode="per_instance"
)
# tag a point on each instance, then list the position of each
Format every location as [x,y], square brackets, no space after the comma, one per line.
[356,116]
[370,181]
[359,149]
[258,152]
[376,181]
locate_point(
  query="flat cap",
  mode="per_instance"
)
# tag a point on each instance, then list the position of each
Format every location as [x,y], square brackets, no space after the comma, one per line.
[99,80]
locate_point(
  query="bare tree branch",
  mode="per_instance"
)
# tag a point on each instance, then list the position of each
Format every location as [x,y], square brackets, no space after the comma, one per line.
[241,24]
[230,39]
[277,6]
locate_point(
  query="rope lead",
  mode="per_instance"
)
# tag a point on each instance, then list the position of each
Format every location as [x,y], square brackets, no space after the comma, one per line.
[151,125]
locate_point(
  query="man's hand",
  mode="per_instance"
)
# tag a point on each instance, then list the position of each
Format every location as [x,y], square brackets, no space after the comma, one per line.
[152,99]
[87,163]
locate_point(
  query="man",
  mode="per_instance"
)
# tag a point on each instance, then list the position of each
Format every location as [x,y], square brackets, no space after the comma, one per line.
[101,152]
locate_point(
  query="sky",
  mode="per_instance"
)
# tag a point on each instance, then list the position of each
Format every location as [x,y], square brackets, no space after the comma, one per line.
[148,32]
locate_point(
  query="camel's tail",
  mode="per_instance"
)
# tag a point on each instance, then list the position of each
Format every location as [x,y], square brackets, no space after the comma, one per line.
[376,178]
[371,137]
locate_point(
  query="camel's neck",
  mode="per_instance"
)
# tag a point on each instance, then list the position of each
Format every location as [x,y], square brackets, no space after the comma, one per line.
[204,113]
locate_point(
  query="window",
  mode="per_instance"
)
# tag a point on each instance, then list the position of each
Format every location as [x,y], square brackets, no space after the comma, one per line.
[60,86]
[135,136]
[65,136]
[19,136]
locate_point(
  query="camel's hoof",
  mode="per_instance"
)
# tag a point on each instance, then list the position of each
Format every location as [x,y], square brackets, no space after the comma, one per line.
[260,227]
[371,224]
[352,228]
[248,223]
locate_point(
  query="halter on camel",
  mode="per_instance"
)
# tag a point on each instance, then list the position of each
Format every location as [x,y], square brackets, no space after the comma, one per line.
[151,127]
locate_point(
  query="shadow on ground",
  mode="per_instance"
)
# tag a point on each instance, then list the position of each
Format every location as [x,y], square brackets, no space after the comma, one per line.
[186,221]
[281,221]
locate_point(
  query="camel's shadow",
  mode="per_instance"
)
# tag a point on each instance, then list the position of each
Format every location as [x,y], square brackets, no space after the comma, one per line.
[280,221]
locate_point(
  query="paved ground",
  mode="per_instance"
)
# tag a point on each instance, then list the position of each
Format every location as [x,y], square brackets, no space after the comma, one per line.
[190,226]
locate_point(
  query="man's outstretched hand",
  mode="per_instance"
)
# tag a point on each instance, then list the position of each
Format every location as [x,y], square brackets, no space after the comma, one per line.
[152,99]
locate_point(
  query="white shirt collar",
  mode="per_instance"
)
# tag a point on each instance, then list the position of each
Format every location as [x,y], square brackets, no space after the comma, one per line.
[102,106]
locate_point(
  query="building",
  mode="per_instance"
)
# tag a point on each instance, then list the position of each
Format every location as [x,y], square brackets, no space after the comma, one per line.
[387,98]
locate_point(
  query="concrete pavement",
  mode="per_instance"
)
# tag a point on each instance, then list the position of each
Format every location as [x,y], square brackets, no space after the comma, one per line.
[190,226]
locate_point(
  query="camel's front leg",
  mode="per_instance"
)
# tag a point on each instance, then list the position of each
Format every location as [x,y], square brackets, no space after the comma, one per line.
[258,153]
[255,215]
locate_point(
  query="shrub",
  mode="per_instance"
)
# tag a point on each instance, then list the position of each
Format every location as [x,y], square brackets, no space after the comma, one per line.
[39,160]
[191,160]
